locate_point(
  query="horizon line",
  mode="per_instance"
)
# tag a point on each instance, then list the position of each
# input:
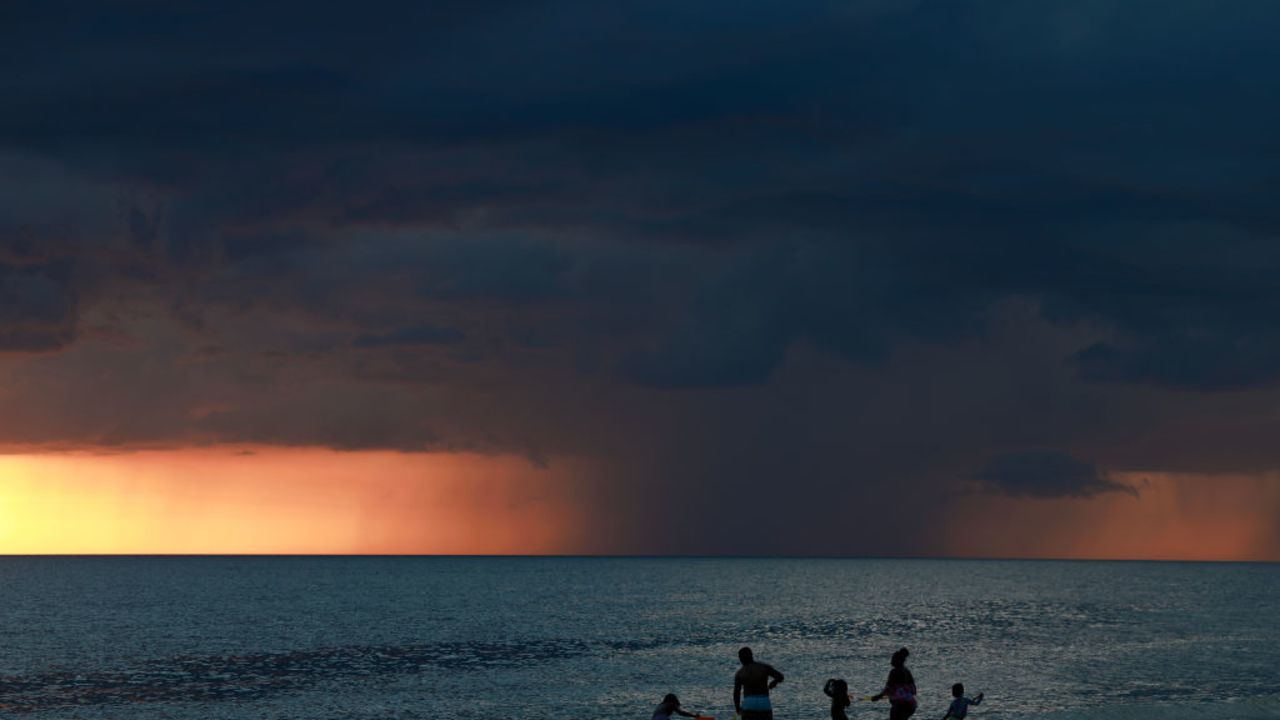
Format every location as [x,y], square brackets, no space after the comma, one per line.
[639,556]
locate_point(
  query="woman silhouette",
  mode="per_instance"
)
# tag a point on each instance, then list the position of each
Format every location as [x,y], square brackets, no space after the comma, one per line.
[900,688]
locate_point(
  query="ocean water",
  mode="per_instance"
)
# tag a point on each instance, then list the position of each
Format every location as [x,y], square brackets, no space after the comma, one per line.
[454,638]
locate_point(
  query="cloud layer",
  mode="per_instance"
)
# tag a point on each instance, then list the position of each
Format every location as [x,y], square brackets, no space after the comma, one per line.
[1046,474]
[761,264]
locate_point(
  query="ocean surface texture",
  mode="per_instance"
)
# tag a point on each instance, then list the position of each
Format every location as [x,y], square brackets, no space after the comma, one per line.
[447,638]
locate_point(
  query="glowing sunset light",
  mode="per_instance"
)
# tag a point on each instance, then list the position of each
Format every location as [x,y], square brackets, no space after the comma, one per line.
[1175,517]
[272,500]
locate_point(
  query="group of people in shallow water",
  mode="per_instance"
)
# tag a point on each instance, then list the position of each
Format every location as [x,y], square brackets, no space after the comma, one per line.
[754,680]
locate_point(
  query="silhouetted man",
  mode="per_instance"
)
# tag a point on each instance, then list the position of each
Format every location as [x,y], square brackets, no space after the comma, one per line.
[751,686]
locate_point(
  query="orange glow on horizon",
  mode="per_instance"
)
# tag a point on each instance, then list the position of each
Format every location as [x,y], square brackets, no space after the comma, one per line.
[1175,517]
[282,500]
[268,500]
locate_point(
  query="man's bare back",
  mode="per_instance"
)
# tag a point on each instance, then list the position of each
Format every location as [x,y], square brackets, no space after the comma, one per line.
[754,678]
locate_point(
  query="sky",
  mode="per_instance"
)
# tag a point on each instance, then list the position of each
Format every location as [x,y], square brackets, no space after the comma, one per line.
[859,277]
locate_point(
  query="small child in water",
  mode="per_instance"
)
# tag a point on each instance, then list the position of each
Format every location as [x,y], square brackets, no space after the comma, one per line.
[838,691]
[670,705]
[960,706]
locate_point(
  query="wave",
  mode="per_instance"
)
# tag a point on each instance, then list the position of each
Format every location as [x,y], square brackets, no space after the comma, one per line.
[223,677]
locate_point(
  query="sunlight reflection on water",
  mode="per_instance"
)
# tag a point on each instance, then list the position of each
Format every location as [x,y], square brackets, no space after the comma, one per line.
[542,638]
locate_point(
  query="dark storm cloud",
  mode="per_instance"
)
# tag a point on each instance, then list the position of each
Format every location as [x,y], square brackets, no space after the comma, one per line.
[717,247]
[38,307]
[1046,474]
[1218,362]
[411,335]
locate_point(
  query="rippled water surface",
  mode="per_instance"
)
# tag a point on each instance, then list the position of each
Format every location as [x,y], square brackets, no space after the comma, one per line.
[606,638]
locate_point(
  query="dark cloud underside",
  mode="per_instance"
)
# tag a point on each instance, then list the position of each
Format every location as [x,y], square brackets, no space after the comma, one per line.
[1046,474]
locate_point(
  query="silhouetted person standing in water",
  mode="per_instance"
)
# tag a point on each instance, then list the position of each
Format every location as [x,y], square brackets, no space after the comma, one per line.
[751,686]
[838,691]
[900,688]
